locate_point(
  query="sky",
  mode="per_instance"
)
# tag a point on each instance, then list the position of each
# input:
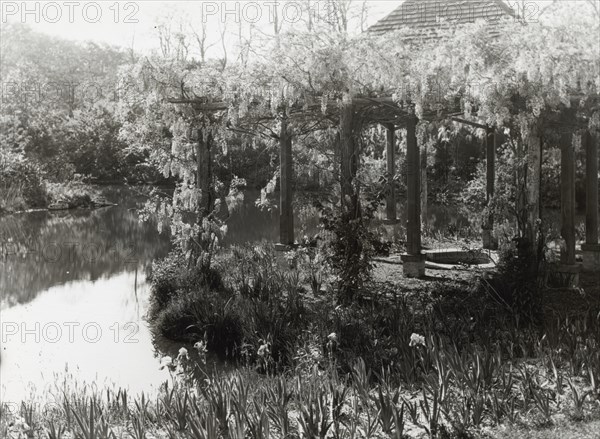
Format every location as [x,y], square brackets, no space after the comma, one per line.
[131,23]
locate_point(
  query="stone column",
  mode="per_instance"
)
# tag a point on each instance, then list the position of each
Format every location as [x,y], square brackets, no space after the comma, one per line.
[424,186]
[591,248]
[390,201]
[491,144]
[534,175]
[568,266]
[286,212]
[413,260]
[567,208]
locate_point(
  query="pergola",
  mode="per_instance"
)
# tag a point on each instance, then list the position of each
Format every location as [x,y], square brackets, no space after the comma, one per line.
[424,18]
[385,111]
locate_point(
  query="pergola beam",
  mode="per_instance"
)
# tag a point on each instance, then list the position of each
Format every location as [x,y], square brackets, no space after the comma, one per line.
[388,110]
[444,110]
[468,122]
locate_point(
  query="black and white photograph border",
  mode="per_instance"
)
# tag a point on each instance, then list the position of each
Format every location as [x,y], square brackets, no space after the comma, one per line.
[299,219]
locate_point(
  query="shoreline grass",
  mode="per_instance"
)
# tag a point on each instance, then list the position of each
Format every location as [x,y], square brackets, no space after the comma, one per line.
[468,395]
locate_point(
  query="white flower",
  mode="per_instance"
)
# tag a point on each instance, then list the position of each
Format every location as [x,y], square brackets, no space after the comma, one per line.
[200,346]
[166,362]
[416,340]
[263,350]
[332,337]
[183,353]
[20,424]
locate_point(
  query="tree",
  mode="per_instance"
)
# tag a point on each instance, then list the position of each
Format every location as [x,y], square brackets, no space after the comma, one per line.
[50,86]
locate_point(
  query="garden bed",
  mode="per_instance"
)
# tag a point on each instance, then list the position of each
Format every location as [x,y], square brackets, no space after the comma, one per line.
[413,358]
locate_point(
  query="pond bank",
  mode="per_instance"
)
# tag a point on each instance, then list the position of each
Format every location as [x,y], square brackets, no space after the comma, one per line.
[510,395]
[62,196]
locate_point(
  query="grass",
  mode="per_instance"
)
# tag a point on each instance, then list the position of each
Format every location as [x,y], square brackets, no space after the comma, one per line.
[459,395]
[426,359]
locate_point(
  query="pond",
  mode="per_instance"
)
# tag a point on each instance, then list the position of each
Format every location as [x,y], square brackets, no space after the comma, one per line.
[248,223]
[74,292]
[73,297]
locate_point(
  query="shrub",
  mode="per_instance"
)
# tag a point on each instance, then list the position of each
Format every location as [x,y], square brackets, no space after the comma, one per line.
[173,274]
[22,180]
[278,323]
[12,198]
[74,193]
[165,279]
[259,303]
[269,297]
[379,333]
[202,313]
[515,285]
[351,249]
[189,303]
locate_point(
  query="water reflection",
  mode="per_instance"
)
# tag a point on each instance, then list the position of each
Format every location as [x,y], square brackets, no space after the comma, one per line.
[94,331]
[40,250]
[74,296]
[249,223]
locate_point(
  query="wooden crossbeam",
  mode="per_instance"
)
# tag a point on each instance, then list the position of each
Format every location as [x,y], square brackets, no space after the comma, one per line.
[469,122]
[388,111]
[201,104]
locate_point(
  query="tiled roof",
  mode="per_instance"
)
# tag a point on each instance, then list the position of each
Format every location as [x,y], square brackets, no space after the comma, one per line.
[425,17]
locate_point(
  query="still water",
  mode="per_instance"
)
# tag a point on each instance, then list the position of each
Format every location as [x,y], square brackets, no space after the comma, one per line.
[74,295]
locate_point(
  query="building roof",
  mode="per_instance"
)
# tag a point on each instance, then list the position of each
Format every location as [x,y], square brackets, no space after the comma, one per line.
[426,17]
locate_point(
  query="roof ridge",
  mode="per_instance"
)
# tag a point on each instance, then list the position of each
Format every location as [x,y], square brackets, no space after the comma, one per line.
[506,7]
